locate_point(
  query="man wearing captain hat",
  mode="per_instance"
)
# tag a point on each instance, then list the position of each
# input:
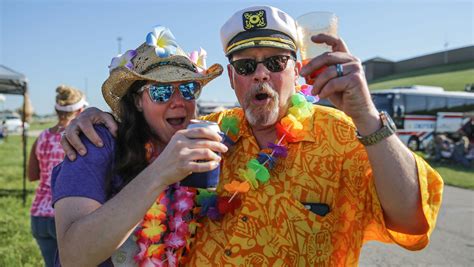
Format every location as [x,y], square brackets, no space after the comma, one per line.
[332,192]
[336,178]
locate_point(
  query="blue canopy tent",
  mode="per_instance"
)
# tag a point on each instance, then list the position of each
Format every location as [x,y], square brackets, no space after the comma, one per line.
[15,83]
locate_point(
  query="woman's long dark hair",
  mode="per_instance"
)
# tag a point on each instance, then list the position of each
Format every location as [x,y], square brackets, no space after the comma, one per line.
[132,135]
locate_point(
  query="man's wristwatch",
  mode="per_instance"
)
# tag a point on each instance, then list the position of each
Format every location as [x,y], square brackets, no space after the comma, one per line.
[388,128]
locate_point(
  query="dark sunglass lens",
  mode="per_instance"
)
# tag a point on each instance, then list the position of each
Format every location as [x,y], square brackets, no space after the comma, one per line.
[161,92]
[245,66]
[276,63]
[190,90]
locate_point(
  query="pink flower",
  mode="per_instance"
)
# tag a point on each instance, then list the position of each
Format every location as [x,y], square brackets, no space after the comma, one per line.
[174,240]
[177,224]
[199,58]
[152,262]
[183,205]
[172,259]
[141,254]
[183,192]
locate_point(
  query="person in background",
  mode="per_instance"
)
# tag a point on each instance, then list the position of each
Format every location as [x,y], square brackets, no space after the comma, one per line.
[46,153]
[461,148]
[308,184]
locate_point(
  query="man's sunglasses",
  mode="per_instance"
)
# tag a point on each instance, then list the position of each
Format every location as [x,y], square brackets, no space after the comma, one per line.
[161,93]
[248,66]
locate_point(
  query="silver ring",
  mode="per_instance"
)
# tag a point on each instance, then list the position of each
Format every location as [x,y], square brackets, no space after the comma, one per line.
[339,70]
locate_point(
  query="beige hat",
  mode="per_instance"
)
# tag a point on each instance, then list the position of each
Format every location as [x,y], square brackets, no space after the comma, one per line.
[145,63]
[259,26]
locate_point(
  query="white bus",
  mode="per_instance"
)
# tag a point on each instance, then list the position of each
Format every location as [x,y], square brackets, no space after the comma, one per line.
[421,111]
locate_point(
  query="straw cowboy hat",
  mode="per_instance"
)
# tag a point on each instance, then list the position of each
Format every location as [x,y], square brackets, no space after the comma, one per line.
[145,63]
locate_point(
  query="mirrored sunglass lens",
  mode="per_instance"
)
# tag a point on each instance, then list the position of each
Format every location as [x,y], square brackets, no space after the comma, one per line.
[245,66]
[276,63]
[161,92]
[190,90]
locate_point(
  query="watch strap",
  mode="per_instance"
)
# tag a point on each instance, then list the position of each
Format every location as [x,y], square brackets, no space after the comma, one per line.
[378,135]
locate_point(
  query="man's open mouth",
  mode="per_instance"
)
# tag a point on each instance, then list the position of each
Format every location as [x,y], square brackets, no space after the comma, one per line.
[261,96]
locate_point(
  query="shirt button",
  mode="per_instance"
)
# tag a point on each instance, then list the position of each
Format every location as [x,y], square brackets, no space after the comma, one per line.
[244,218]
[227,252]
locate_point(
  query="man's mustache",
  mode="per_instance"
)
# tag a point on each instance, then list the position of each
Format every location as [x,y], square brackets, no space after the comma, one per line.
[263,88]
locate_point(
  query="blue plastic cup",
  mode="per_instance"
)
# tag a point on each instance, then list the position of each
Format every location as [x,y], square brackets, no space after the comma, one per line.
[205,180]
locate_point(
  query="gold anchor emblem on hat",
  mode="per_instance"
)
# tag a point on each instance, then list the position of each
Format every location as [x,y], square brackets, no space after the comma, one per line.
[254,19]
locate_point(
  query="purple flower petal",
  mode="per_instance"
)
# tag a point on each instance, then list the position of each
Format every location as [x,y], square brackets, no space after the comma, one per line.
[213,214]
[279,151]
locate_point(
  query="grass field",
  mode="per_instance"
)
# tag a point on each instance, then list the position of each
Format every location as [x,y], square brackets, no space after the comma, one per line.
[18,248]
[451,77]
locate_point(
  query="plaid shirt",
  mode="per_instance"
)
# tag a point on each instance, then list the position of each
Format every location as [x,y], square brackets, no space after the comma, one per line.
[49,154]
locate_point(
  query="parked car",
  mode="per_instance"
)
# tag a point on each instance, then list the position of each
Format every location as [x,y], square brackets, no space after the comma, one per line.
[13,124]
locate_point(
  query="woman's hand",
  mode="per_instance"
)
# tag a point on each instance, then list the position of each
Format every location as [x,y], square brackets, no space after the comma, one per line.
[189,150]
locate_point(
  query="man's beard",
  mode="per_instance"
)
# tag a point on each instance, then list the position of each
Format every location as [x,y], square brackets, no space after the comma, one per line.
[262,115]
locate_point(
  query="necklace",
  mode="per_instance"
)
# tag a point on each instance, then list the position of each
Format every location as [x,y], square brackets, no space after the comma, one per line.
[168,228]
[289,129]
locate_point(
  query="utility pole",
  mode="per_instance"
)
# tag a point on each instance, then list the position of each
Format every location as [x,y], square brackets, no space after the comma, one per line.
[119,41]
[446,50]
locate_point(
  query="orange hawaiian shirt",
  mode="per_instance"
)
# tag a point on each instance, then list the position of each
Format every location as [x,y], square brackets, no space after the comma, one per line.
[273,228]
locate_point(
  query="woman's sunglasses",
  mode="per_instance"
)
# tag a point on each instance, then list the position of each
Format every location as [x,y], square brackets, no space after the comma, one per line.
[161,93]
[248,66]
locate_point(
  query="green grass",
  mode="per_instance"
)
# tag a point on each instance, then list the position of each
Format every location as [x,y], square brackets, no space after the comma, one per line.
[17,246]
[41,125]
[455,175]
[451,77]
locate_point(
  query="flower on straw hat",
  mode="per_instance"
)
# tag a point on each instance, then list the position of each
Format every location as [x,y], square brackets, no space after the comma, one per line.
[159,59]
[123,60]
[163,40]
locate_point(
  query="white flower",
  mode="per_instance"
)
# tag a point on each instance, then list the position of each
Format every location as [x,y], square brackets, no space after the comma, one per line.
[163,40]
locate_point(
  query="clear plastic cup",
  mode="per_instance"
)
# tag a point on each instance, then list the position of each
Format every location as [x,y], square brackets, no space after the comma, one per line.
[310,24]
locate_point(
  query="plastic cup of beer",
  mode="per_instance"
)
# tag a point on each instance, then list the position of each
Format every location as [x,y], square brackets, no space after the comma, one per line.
[312,24]
[205,180]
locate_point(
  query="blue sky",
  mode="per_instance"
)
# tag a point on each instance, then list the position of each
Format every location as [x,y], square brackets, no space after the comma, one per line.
[72,42]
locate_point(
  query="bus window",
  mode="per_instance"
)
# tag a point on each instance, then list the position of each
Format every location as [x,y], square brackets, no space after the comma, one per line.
[415,104]
[454,102]
[383,102]
[436,103]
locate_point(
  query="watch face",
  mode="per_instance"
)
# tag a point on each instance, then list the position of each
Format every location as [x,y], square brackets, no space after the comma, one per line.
[390,122]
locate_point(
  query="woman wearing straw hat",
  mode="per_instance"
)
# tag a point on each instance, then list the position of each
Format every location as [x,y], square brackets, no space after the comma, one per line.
[119,204]
[45,154]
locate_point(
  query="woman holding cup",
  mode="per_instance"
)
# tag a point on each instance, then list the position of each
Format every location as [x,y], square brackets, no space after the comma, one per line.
[126,191]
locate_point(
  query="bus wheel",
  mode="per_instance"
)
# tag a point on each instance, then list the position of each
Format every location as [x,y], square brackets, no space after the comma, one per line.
[413,143]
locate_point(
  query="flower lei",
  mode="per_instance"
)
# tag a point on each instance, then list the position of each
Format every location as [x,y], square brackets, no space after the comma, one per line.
[168,227]
[289,129]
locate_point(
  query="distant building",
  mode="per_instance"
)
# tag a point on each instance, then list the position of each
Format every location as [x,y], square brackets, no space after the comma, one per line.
[208,107]
[379,67]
